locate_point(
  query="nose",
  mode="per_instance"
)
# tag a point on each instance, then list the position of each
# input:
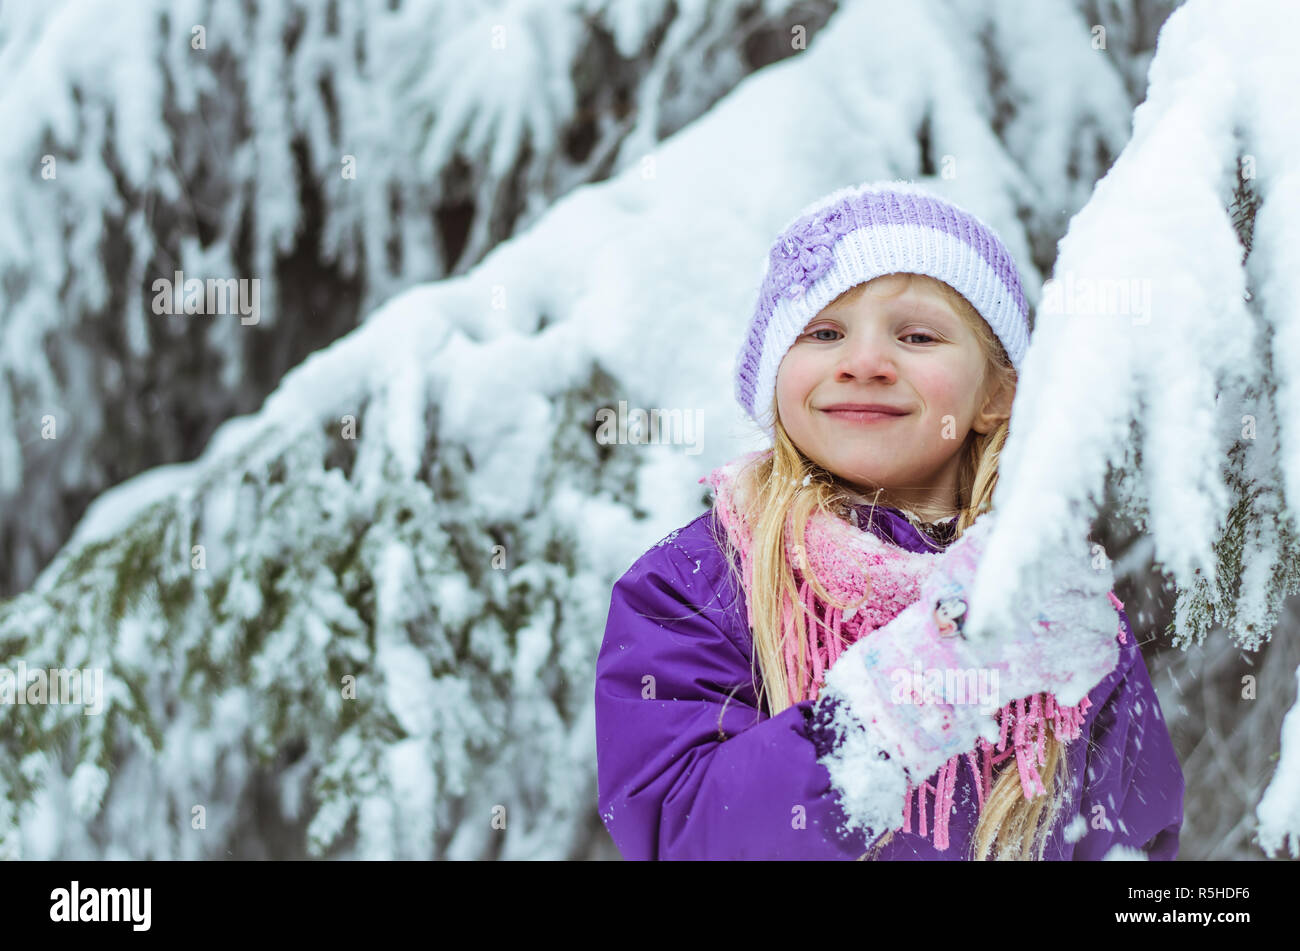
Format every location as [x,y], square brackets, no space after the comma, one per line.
[869,356]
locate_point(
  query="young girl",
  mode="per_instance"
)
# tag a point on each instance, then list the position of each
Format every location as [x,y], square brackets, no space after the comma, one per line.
[746,706]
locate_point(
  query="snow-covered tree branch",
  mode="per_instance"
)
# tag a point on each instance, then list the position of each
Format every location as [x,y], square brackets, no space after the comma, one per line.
[333,152]
[1167,351]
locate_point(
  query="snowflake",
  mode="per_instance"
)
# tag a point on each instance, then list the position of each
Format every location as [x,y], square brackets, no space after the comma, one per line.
[667,538]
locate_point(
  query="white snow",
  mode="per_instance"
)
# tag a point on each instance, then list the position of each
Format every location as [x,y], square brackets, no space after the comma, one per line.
[1185,373]
[1124,853]
[1279,809]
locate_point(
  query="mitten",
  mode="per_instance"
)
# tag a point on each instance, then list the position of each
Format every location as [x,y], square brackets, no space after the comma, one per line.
[908,696]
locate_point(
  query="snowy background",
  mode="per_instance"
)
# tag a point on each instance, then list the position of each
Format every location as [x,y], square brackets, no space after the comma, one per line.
[346,566]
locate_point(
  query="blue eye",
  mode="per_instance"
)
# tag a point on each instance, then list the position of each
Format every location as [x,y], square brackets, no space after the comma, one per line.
[830,330]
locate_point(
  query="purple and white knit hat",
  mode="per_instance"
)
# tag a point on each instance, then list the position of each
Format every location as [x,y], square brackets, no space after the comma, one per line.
[862,232]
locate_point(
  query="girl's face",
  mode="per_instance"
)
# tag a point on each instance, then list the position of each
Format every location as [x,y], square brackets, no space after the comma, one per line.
[895,341]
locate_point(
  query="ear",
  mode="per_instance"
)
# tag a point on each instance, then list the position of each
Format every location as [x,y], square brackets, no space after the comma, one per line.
[996,408]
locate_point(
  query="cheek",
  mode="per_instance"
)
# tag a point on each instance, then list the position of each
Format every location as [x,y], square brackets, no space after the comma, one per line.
[795,378]
[944,390]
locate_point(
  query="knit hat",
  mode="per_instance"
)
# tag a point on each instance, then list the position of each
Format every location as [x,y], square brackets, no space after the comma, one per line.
[859,233]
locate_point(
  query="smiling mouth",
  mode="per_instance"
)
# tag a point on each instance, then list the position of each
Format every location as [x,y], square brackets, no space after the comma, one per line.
[861,416]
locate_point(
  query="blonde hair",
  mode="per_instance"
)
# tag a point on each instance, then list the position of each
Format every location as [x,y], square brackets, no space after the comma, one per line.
[775,484]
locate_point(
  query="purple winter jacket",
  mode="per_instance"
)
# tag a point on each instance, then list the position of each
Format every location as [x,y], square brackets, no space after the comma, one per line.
[699,772]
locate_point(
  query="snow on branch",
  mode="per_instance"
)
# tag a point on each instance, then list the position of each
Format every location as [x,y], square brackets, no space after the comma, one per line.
[1163,368]
[330,153]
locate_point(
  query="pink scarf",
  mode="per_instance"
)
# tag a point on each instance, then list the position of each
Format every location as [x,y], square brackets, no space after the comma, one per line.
[844,557]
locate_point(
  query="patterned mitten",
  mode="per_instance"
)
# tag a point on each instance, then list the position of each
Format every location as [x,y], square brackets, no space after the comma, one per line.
[908,696]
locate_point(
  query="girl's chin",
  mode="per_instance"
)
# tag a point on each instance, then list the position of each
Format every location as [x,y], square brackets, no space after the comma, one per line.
[863,482]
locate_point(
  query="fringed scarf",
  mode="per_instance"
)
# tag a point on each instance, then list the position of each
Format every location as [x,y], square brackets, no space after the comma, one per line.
[850,563]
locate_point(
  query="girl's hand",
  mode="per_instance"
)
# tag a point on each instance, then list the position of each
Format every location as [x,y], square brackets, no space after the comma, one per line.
[926,688]
[1062,639]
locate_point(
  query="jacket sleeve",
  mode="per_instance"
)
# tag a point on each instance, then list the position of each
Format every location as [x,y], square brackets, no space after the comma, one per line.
[688,767]
[1133,786]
